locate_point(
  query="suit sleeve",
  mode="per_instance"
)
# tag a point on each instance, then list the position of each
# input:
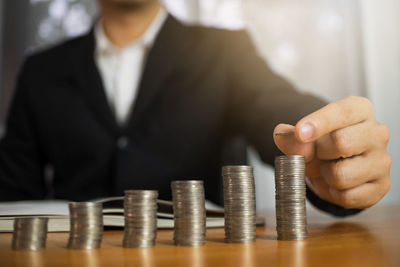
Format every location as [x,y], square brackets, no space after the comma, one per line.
[259,100]
[21,165]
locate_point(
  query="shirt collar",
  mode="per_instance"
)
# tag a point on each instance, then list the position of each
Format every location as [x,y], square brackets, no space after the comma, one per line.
[104,45]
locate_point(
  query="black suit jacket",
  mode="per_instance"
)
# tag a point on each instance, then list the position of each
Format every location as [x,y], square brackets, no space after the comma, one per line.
[199,87]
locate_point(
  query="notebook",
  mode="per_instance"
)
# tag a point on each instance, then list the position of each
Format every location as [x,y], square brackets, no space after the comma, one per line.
[113,213]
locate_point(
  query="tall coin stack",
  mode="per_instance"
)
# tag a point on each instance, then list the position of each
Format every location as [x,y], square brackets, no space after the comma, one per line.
[189,213]
[86,225]
[290,196]
[30,233]
[140,210]
[239,204]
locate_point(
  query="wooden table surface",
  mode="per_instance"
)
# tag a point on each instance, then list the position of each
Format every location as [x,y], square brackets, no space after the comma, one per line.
[371,238]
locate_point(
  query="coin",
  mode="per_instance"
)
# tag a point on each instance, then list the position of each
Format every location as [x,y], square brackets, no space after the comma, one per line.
[189,212]
[290,196]
[86,225]
[30,233]
[140,210]
[239,204]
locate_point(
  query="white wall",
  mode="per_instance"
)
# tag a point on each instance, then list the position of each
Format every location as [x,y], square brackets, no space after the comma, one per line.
[381,21]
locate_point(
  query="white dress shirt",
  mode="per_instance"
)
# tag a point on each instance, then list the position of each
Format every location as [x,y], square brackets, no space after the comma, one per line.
[121,69]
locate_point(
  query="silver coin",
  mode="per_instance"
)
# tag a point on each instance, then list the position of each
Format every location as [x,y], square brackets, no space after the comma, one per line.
[189,212]
[239,204]
[140,210]
[29,233]
[86,225]
[290,194]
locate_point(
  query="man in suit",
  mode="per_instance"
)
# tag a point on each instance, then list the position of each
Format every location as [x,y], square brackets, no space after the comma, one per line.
[142,100]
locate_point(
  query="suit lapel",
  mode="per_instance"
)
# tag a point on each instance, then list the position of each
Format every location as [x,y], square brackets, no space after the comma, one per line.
[161,61]
[163,57]
[90,82]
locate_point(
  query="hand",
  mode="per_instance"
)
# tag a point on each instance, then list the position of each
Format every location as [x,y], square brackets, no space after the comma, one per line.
[345,149]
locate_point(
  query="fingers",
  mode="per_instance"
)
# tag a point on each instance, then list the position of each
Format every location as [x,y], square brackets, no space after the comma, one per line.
[321,188]
[352,172]
[356,182]
[352,140]
[289,145]
[313,168]
[334,116]
[345,149]
[360,197]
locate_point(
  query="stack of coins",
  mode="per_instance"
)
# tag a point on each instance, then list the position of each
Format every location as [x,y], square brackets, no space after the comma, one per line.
[189,213]
[30,233]
[239,204]
[86,225]
[290,196]
[140,210]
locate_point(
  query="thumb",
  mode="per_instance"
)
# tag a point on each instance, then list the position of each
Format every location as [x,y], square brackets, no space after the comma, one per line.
[290,145]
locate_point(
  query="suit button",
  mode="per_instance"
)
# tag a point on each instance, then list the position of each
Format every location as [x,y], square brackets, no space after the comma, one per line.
[122,142]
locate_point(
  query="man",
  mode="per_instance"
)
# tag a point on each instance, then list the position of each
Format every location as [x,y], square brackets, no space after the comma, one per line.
[142,100]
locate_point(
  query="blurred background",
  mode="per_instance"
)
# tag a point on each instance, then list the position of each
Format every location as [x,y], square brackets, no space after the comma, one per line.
[332,48]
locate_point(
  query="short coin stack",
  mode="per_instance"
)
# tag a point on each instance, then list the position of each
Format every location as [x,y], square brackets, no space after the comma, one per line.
[86,225]
[239,204]
[290,196]
[140,210]
[189,213]
[30,233]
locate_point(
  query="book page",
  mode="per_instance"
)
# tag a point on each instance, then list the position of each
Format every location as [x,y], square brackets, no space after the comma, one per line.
[34,207]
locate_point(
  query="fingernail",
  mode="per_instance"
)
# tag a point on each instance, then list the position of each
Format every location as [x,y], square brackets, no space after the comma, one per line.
[306,131]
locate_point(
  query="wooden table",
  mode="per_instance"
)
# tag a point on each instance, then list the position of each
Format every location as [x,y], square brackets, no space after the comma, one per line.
[369,239]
